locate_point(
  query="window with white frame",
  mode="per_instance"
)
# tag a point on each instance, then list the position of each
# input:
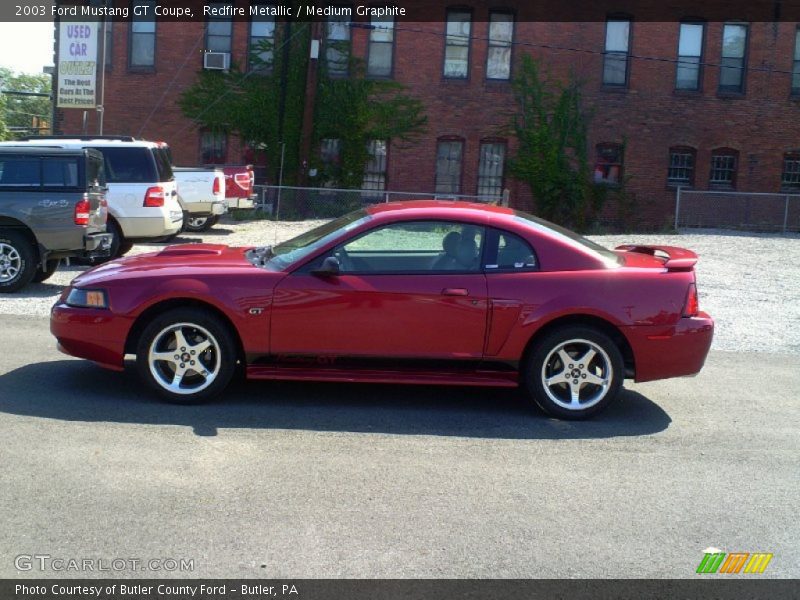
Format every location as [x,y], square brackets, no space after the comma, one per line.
[501,37]
[617,50]
[456,51]
[732,66]
[381,47]
[690,51]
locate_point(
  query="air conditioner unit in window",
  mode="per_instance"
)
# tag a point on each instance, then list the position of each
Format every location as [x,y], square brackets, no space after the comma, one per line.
[217,60]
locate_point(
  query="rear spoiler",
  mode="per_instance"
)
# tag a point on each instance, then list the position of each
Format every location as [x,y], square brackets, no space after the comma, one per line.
[675,259]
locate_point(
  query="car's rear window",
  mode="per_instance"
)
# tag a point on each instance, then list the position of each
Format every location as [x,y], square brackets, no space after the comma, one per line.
[41,171]
[20,171]
[164,164]
[129,165]
[95,171]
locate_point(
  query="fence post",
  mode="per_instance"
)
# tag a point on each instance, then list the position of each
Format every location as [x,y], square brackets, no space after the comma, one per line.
[386,195]
[677,206]
[506,197]
[786,214]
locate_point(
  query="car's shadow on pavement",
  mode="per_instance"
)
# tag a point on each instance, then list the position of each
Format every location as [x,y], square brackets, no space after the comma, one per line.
[73,390]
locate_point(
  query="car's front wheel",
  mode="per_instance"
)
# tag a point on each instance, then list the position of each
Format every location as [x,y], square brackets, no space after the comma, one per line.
[574,372]
[187,355]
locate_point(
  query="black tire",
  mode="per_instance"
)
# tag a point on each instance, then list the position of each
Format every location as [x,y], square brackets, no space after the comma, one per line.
[199,224]
[604,371]
[46,271]
[119,246]
[17,261]
[196,326]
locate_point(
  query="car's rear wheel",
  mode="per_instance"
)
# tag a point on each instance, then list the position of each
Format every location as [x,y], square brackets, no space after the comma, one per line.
[187,355]
[198,224]
[17,261]
[46,271]
[574,372]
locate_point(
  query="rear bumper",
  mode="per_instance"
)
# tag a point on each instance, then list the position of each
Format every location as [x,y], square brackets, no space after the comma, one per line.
[167,223]
[97,243]
[96,335]
[240,203]
[202,209]
[661,353]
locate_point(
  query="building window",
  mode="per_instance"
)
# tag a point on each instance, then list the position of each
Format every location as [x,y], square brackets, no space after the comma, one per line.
[681,166]
[456,50]
[448,166]
[381,47]
[142,52]
[262,42]
[615,61]
[375,169]
[213,147]
[330,151]
[337,46]
[608,167]
[490,169]
[796,65]
[723,168]
[690,51]
[501,36]
[790,178]
[219,32]
[734,45]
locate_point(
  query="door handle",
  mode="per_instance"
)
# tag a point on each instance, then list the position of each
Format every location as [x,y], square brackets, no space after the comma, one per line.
[455,292]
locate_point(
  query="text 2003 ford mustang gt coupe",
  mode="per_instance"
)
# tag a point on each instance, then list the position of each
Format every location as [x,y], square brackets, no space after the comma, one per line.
[418,292]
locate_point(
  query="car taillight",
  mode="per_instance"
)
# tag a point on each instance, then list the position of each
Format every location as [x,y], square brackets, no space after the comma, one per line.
[83,209]
[154,197]
[244,181]
[215,189]
[692,305]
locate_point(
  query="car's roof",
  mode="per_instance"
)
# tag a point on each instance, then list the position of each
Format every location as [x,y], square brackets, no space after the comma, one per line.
[19,148]
[439,208]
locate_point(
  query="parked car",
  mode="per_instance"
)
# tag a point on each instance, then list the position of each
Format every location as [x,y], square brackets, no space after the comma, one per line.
[201,193]
[239,187]
[426,292]
[142,195]
[52,206]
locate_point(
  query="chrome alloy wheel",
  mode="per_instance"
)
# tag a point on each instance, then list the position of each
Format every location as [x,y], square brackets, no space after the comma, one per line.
[184,358]
[10,262]
[577,374]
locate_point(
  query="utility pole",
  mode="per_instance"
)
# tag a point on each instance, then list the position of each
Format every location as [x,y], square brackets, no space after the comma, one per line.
[310,100]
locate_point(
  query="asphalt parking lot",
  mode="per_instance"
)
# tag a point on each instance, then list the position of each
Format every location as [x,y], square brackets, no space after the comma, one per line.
[302,480]
[311,480]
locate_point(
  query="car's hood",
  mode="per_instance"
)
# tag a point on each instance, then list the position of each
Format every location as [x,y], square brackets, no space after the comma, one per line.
[185,260]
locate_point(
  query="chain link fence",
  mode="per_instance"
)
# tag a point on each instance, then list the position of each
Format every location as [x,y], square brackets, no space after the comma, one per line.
[746,211]
[289,203]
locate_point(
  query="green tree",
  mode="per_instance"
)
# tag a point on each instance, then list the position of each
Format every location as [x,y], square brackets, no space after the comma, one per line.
[251,105]
[24,113]
[551,125]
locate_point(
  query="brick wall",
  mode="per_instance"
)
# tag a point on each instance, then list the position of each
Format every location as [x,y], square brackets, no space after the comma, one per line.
[649,115]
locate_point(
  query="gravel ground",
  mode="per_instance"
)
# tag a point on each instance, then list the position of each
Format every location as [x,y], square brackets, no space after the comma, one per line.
[749,283]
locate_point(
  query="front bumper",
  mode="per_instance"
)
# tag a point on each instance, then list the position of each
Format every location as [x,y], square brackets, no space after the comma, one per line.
[679,351]
[94,334]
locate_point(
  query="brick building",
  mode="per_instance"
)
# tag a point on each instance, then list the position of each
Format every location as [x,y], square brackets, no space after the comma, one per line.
[708,105]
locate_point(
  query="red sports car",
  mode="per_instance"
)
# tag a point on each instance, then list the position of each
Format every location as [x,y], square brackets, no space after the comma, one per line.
[418,292]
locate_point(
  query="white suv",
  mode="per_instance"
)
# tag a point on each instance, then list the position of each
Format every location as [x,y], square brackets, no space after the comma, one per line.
[142,194]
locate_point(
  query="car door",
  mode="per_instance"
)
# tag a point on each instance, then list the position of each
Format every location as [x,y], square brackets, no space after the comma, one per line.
[405,290]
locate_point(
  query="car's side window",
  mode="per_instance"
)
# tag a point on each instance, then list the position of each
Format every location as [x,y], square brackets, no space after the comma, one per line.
[509,252]
[414,247]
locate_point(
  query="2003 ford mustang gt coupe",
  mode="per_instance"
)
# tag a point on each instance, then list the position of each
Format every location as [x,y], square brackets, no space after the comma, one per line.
[419,292]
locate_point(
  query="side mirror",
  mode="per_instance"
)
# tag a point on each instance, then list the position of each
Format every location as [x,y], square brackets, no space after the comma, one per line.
[328,268]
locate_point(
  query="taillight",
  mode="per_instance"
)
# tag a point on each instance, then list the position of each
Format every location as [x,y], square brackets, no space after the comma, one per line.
[244,181]
[692,305]
[154,197]
[215,189]
[83,209]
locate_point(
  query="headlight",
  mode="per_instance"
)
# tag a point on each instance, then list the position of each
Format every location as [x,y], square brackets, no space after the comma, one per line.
[87,298]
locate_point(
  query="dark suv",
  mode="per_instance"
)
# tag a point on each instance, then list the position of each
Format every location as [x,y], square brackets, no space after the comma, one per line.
[52,206]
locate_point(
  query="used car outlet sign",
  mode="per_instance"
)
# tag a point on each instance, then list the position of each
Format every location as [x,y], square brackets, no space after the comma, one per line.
[77,65]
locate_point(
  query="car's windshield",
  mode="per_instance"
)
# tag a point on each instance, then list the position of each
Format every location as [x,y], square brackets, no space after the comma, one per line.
[573,237]
[298,248]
